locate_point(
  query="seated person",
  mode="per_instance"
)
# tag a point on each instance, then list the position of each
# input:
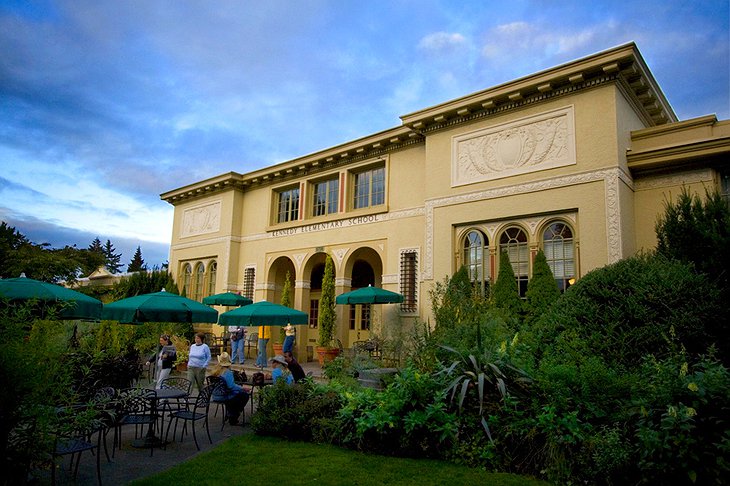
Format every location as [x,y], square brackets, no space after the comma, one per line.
[295,368]
[280,370]
[232,394]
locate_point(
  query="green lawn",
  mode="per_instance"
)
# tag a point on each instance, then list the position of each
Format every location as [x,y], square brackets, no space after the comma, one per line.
[260,460]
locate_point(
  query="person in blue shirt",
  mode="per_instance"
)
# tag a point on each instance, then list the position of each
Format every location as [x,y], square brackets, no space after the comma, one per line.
[280,370]
[231,394]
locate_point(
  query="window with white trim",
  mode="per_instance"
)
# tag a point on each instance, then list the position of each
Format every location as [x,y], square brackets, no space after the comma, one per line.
[476,259]
[212,273]
[514,241]
[187,278]
[369,188]
[199,279]
[559,249]
[288,205]
[325,198]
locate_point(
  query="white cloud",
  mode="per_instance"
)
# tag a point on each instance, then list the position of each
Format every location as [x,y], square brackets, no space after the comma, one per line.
[440,41]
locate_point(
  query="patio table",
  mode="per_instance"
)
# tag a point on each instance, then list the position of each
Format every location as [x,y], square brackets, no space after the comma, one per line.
[151,440]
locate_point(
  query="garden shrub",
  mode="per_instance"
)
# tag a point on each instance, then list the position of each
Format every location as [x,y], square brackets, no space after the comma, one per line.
[296,412]
[634,307]
[409,418]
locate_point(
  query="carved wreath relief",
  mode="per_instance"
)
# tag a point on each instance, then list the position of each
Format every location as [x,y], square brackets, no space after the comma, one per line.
[526,145]
[201,220]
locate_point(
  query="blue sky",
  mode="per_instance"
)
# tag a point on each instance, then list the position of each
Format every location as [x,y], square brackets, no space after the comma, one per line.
[106,104]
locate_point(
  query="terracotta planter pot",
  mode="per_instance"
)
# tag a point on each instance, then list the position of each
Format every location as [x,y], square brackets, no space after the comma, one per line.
[278,348]
[326,355]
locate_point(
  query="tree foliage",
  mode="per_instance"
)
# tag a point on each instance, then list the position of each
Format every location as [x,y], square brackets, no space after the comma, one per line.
[542,289]
[137,264]
[144,283]
[327,316]
[698,232]
[505,294]
[111,257]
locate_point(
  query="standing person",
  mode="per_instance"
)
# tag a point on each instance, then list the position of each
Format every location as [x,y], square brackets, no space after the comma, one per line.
[294,367]
[232,394]
[280,371]
[264,335]
[238,335]
[291,334]
[198,361]
[164,358]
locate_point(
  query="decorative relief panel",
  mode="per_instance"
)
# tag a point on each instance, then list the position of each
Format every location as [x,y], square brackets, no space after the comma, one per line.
[531,144]
[201,220]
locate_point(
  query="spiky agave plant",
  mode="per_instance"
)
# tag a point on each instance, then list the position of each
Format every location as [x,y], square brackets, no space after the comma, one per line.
[483,372]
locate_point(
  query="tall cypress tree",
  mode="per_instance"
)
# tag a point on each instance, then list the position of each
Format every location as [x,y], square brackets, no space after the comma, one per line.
[505,294]
[137,264]
[112,259]
[542,289]
[327,316]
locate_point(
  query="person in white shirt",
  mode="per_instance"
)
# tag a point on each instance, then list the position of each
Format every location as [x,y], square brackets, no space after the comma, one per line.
[198,360]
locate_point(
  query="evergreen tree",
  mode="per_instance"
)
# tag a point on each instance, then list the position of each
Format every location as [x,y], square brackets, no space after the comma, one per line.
[285,301]
[137,264]
[144,283]
[697,232]
[112,259]
[505,294]
[542,289]
[327,315]
[96,247]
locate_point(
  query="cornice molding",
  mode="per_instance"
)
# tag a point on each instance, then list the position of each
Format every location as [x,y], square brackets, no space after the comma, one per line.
[622,66]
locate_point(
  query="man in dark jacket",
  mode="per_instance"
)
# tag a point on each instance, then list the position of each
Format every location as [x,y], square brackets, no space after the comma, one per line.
[295,368]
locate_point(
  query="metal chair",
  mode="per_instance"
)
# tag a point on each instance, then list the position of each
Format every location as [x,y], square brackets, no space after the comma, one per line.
[169,406]
[198,411]
[215,382]
[136,407]
[74,438]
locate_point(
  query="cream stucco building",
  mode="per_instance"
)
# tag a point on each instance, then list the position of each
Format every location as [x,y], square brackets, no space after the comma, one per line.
[576,160]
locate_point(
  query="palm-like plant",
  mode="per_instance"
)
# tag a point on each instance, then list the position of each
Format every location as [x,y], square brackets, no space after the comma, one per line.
[484,372]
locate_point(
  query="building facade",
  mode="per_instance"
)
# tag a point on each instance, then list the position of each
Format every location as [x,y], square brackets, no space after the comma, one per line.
[577,160]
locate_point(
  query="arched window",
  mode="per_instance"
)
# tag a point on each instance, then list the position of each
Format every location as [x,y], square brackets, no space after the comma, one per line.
[557,241]
[212,271]
[187,277]
[199,278]
[514,241]
[476,259]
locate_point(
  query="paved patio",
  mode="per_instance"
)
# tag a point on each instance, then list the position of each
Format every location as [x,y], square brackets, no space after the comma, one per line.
[130,463]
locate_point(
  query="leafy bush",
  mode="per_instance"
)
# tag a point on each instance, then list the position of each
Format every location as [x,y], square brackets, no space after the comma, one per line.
[638,306]
[296,411]
[409,418]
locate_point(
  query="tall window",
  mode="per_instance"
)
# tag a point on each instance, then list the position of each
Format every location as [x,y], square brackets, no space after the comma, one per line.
[476,259]
[409,280]
[364,311]
[187,278]
[212,272]
[369,188]
[288,208]
[249,277]
[199,278]
[326,197]
[725,186]
[313,313]
[557,240]
[514,242]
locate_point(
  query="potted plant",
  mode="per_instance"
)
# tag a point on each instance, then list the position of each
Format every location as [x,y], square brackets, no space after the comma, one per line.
[182,348]
[285,301]
[327,317]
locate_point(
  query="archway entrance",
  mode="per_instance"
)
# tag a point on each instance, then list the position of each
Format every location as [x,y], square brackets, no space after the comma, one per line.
[364,268]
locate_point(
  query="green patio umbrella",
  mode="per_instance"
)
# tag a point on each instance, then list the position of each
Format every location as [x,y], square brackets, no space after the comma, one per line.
[22,289]
[158,307]
[227,298]
[263,314]
[369,295]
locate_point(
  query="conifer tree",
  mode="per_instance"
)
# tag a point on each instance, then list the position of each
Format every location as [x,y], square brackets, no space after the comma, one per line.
[96,247]
[505,293]
[327,315]
[137,264]
[112,259]
[542,289]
